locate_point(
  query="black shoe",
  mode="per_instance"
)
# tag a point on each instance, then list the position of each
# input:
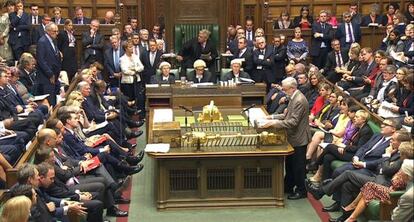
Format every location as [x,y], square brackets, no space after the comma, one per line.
[122,200]
[342,218]
[141,155]
[115,212]
[122,185]
[134,134]
[317,193]
[332,208]
[135,169]
[132,160]
[325,182]
[296,196]
[136,123]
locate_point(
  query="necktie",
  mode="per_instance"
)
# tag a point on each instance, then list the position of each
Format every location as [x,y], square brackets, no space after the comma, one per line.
[382,141]
[249,36]
[145,45]
[116,60]
[339,63]
[323,26]
[93,42]
[136,50]
[351,38]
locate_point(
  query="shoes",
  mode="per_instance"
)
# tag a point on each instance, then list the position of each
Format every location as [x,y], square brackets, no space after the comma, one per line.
[135,169]
[141,155]
[316,192]
[122,200]
[132,160]
[342,218]
[115,212]
[325,182]
[296,196]
[134,134]
[332,208]
[123,184]
[138,123]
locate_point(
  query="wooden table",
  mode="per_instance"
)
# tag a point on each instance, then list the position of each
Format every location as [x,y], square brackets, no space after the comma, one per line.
[219,177]
[177,94]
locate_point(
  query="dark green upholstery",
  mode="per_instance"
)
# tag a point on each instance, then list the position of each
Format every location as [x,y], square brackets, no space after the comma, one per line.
[375,128]
[185,32]
[223,72]
[372,212]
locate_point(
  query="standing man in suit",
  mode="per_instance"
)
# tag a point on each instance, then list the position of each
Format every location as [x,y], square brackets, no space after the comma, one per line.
[134,24]
[348,32]
[245,54]
[49,63]
[200,47]
[93,43]
[279,59]
[249,32]
[80,19]
[336,59]
[156,32]
[353,11]
[111,61]
[67,45]
[35,18]
[322,35]
[296,123]
[19,35]
[263,61]
[144,37]
[151,61]
[57,13]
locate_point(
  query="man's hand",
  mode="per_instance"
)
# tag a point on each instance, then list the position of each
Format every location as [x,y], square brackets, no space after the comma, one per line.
[268,124]
[19,108]
[52,80]
[85,196]
[282,100]
[64,167]
[117,75]
[409,120]
[88,156]
[341,150]
[179,58]
[107,149]
[51,206]
[358,164]
[77,209]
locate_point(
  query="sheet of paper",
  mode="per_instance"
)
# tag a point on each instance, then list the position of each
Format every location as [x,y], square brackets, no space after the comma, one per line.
[256,114]
[157,148]
[181,119]
[163,115]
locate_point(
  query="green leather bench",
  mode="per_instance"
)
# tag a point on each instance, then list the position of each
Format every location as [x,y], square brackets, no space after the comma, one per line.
[185,32]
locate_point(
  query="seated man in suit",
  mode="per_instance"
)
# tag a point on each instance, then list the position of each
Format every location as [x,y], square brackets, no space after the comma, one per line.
[236,72]
[199,74]
[57,13]
[346,186]
[336,59]
[80,19]
[368,156]
[166,77]
[385,86]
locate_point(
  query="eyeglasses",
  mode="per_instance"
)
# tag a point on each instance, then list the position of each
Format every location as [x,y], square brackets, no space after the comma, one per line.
[384,124]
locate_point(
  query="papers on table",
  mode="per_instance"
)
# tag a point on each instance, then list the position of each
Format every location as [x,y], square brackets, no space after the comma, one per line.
[163,115]
[238,119]
[246,80]
[385,110]
[256,114]
[151,85]
[157,148]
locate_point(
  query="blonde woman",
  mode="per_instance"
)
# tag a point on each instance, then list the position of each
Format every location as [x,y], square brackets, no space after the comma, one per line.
[17,209]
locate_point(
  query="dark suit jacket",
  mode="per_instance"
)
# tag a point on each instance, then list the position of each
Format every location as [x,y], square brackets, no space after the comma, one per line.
[27,80]
[39,19]
[70,61]
[150,70]
[77,145]
[38,32]
[230,75]
[61,22]
[109,61]
[328,34]
[92,111]
[362,136]
[157,79]
[19,25]
[247,65]
[266,63]
[341,33]
[48,61]
[373,158]
[367,19]
[331,60]
[207,77]
[85,21]
[192,50]
[280,60]
[96,44]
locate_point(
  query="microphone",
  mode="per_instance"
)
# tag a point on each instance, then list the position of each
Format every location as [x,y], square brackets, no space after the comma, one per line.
[185,108]
[246,109]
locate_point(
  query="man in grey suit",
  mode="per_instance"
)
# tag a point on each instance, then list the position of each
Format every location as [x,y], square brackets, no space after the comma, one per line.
[295,121]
